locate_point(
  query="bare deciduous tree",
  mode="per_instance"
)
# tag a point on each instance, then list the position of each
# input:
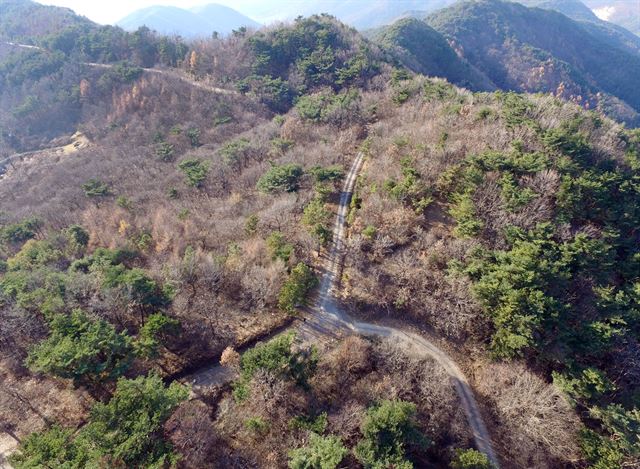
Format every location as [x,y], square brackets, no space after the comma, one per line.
[538,427]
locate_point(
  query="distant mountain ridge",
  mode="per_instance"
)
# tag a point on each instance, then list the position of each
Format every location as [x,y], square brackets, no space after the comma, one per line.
[578,11]
[625,13]
[368,14]
[574,9]
[534,50]
[200,21]
[361,14]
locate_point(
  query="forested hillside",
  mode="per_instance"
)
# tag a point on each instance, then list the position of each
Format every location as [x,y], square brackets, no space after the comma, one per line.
[426,51]
[27,21]
[534,50]
[45,89]
[513,221]
[154,280]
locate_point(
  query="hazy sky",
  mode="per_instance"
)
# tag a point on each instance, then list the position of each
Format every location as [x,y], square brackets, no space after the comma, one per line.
[264,11]
[110,11]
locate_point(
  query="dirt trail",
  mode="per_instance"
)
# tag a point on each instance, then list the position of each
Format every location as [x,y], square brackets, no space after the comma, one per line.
[22,46]
[77,141]
[174,73]
[326,320]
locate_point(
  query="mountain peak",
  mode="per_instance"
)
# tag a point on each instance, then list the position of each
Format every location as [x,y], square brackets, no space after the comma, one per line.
[200,21]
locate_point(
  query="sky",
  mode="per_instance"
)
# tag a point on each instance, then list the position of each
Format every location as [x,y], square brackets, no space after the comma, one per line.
[108,12]
[263,11]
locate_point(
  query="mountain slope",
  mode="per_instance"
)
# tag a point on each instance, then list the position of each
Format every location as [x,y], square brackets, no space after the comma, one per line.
[44,88]
[223,17]
[578,11]
[426,51]
[534,50]
[166,19]
[200,21]
[22,20]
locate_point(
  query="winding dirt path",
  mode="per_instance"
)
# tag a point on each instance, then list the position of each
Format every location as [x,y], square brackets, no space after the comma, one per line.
[173,73]
[77,141]
[21,46]
[326,319]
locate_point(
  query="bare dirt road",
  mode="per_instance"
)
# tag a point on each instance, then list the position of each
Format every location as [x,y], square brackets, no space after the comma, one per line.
[22,46]
[328,318]
[76,142]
